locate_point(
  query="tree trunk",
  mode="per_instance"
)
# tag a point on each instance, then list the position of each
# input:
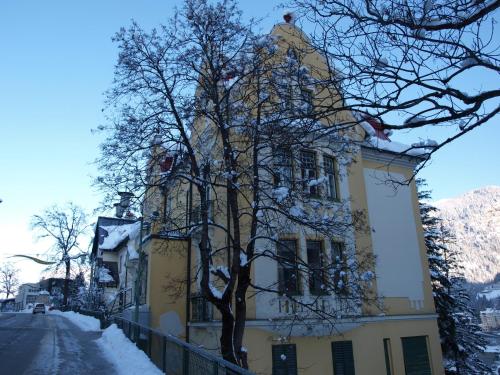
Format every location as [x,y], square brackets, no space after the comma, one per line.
[226,339]
[66,283]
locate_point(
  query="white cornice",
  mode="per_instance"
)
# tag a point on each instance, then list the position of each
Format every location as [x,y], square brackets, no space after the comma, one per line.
[317,328]
[390,158]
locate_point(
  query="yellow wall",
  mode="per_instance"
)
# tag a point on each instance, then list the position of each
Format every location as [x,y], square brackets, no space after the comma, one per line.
[314,355]
[166,288]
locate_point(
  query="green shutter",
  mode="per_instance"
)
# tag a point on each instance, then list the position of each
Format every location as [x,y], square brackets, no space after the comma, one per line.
[387,355]
[416,356]
[343,358]
[284,359]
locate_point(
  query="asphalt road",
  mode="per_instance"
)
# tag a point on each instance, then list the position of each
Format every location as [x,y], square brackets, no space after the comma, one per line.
[45,344]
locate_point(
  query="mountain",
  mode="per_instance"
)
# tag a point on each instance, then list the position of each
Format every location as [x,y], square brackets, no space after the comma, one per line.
[474,217]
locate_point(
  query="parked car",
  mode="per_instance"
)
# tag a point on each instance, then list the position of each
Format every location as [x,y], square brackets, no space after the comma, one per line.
[39,308]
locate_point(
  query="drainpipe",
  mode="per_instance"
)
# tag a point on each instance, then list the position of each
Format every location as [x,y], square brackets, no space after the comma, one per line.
[138,278]
[188,265]
[188,291]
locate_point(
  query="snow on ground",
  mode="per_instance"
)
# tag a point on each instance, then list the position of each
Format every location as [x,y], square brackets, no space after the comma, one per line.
[28,310]
[84,322]
[121,352]
[116,347]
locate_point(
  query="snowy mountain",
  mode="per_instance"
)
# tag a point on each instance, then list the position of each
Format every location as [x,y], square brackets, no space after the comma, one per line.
[475,219]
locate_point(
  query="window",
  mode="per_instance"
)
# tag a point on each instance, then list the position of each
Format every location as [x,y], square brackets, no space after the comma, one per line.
[201,309]
[309,173]
[316,273]
[343,358]
[388,356]
[331,178]
[288,272]
[339,267]
[306,101]
[416,356]
[196,210]
[284,359]
[283,175]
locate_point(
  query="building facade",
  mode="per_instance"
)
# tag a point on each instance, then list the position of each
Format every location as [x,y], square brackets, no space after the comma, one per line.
[394,332]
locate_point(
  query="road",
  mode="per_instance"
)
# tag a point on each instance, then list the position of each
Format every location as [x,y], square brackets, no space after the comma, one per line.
[46,344]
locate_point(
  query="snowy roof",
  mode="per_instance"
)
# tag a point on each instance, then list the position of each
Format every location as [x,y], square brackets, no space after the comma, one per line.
[116,235]
[377,137]
[395,147]
[101,233]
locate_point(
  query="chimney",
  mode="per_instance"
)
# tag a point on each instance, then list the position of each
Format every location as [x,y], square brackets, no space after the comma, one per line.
[124,203]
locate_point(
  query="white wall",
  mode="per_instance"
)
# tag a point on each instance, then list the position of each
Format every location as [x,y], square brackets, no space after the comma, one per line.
[266,269]
[394,236]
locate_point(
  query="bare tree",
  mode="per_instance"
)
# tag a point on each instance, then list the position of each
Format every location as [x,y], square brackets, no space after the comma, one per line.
[9,279]
[414,64]
[224,113]
[65,226]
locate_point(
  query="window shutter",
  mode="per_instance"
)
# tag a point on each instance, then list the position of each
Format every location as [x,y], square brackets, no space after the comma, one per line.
[343,358]
[415,356]
[284,359]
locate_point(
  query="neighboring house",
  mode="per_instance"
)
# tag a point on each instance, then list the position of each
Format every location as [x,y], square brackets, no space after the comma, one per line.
[8,304]
[27,294]
[403,334]
[55,288]
[114,261]
[490,319]
[43,297]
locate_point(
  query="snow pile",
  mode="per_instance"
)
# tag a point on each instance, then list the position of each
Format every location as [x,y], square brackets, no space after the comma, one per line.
[104,275]
[124,355]
[280,194]
[84,322]
[367,127]
[428,143]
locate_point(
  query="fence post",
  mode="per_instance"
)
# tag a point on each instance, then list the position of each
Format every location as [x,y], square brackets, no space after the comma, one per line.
[137,334]
[150,337]
[216,367]
[164,354]
[185,361]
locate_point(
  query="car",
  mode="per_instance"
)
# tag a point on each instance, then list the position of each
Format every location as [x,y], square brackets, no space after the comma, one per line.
[39,308]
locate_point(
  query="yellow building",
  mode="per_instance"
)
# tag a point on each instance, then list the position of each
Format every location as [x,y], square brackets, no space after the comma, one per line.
[394,333]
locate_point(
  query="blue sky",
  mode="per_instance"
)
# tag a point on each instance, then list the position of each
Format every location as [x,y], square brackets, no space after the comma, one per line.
[57,60]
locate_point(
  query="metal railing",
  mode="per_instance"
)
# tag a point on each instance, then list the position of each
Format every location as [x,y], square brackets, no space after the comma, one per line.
[122,300]
[174,356]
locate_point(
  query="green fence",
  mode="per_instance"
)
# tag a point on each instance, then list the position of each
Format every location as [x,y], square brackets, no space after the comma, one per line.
[174,356]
